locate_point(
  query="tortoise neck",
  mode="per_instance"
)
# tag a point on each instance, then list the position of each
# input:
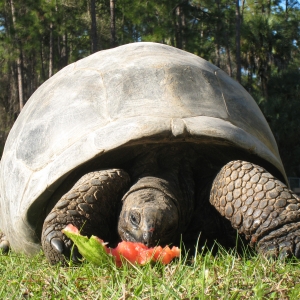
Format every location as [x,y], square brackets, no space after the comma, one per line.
[168,170]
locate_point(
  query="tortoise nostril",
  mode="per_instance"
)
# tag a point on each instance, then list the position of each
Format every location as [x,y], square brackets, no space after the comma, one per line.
[147,236]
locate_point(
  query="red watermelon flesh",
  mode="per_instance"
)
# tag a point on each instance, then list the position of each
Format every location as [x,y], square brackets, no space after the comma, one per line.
[133,252]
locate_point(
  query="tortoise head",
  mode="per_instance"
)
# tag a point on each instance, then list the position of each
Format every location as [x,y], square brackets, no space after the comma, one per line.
[149,215]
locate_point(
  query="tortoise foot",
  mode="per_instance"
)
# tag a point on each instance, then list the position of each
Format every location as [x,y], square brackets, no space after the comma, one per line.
[283,242]
[260,207]
[4,244]
[92,205]
[59,249]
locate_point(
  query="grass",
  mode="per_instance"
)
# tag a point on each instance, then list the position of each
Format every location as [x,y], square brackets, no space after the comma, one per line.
[206,276]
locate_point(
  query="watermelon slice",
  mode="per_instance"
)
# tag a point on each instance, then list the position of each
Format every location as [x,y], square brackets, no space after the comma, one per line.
[94,250]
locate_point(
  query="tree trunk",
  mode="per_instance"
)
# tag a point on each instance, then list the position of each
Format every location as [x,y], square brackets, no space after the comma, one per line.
[94,37]
[183,30]
[178,32]
[217,36]
[264,81]
[217,53]
[238,41]
[14,106]
[51,51]
[19,58]
[42,60]
[64,50]
[250,78]
[242,12]
[227,46]
[228,55]
[31,75]
[112,24]
[269,7]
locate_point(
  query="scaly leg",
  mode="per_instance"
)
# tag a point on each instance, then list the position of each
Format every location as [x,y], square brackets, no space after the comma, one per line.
[92,205]
[260,207]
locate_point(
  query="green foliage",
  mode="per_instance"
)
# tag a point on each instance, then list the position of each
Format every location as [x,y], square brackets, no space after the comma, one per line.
[91,248]
[49,34]
[282,112]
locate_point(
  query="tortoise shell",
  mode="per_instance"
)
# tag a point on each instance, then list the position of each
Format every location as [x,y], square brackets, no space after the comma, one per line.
[130,95]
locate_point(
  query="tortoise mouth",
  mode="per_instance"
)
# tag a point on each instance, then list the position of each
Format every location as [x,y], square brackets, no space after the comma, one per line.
[148,237]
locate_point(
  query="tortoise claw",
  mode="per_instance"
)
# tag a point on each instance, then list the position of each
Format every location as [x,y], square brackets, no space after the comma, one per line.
[285,253]
[76,256]
[4,247]
[58,245]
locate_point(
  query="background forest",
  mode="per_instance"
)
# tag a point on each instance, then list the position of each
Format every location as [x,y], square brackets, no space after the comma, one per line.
[255,41]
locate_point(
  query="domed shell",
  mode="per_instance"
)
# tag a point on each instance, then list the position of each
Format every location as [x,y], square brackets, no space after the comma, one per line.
[130,94]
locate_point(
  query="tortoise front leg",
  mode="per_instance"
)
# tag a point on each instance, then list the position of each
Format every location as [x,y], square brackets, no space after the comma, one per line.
[260,207]
[92,205]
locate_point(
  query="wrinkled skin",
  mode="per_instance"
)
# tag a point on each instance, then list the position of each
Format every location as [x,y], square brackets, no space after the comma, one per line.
[149,216]
[162,199]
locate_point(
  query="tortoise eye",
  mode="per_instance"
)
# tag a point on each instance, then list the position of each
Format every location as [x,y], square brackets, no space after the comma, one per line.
[135,218]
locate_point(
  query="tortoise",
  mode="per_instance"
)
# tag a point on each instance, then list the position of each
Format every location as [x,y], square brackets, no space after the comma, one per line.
[144,143]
